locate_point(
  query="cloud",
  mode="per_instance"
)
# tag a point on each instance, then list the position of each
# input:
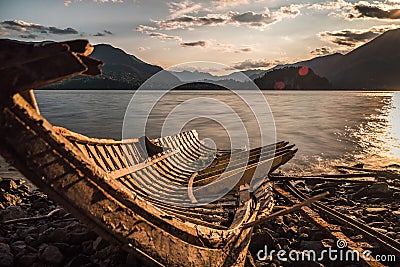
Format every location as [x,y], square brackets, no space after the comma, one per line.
[190,21]
[28,36]
[103,33]
[141,49]
[337,5]
[388,10]
[247,49]
[255,64]
[30,28]
[163,36]
[150,31]
[230,48]
[251,19]
[184,7]
[367,11]
[193,44]
[220,47]
[353,37]
[144,28]
[221,4]
[322,51]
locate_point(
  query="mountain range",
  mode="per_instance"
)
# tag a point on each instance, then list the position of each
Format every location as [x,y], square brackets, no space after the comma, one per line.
[120,71]
[373,65]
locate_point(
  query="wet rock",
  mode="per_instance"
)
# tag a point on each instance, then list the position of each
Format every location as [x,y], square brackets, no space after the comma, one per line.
[379,224]
[316,235]
[77,233]
[281,230]
[374,200]
[132,260]
[10,199]
[44,236]
[29,239]
[311,245]
[396,213]
[13,212]
[87,247]
[6,257]
[303,236]
[347,231]
[304,229]
[283,241]
[293,229]
[342,209]
[372,218]
[99,243]
[259,240]
[58,235]
[40,203]
[80,260]
[18,246]
[27,259]
[107,252]
[8,185]
[378,190]
[67,249]
[309,264]
[51,255]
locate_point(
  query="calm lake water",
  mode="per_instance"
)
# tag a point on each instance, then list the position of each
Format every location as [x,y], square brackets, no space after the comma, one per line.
[328,127]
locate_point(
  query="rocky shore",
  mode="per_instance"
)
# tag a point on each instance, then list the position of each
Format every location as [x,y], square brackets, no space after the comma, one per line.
[377,205]
[35,231]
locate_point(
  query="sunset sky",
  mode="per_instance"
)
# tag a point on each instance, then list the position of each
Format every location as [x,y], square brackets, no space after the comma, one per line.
[239,33]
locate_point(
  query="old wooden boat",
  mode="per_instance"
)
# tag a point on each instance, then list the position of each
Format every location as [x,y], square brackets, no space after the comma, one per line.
[137,193]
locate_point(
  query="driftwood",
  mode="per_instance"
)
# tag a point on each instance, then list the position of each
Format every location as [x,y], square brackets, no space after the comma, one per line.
[24,67]
[29,219]
[327,178]
[286,211]
[373,172]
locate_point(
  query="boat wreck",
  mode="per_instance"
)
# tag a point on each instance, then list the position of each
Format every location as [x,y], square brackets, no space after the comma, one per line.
[140,194]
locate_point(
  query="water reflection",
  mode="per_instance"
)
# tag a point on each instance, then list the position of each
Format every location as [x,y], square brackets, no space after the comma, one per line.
[378,134]
[329,128]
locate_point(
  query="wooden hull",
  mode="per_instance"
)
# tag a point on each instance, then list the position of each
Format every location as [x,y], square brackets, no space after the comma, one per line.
[140,194]
[62,171]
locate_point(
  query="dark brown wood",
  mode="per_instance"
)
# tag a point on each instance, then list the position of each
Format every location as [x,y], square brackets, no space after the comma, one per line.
[25,66]
[123,189]
[286,211]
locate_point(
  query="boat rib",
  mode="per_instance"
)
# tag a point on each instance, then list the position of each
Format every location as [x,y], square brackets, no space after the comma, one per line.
[132,192]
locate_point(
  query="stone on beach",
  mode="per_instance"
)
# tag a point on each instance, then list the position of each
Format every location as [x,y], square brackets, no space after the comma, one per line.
[6,257]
